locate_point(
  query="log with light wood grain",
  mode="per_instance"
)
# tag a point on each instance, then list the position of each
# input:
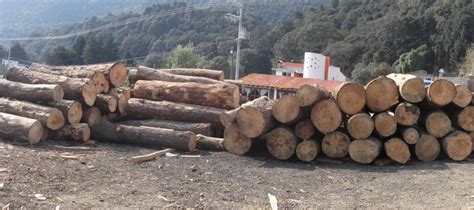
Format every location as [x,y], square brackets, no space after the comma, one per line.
[427,148]
[308,95]
[91,115]
[410,87]
[205,129]
[410,135]
[282,143]
[365,151]
[208,73]
[72,110]
[51,118]
[145,73]
[326,116]
[31,92]
[210,143]
[336,144]
[256,118]
[463,96]
[286,110]
[437,123]
[228,117]
[457,145]
[74,88]
[397,150]
[407,114]
[350,97]
[122,96]
[440,93]
[360,126]
[225,96]
[115,73]
[77,132]
[385,124]
[305,129]
[106,103]
[308,150]
[13,127]
[234,141]
[144,136]
[381,94]
[463,118]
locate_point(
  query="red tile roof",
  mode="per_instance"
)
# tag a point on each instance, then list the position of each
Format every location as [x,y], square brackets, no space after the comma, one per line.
[281,82]
[288,64]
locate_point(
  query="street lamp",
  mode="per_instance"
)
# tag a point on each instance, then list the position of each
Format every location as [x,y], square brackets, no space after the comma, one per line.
[231,62]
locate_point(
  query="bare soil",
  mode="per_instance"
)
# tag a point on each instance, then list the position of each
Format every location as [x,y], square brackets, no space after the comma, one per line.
[104,177]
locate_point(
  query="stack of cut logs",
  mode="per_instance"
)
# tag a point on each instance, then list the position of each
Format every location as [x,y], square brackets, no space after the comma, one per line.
[392,117]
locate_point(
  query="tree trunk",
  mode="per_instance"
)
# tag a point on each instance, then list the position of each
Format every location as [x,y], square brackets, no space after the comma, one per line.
[287,110]
[144,136]
[410,87]
[50,117]
[256,118]
[407,114]
[205,129]
[234,141]
[336,144]
[464,118]
[385,124]
[238,83]
[350,97]
[145,73]
[115,73]
[308,150]
[457,145]
[365,151]
[305,129]
[381,94]
[132,76]
[211,74]
[360,126]
[122,95]
[29,92]
[210,143]
[308,95]
[14,127]
[72,110]
[427,148]
[441,93]
[397,150]
[224,96]
[91,115]
[410,135]
[106,103]
[437,124]
[326,116]
[77,132]
[228,117]
[164,110]
[463,96]
[74,88]
[282,143]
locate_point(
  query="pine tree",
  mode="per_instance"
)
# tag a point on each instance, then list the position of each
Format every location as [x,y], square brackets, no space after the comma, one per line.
[62,56]
[110,50]
[78,47]
[18,52]
[92,50]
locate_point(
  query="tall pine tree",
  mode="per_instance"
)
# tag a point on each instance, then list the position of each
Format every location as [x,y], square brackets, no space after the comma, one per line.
[78,47]
[110,50]
[92,50]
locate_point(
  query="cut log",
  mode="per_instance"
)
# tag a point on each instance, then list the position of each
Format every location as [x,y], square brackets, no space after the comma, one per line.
[287,110]
[410,87]
[145,73]
[91,115]
[50,117]
[385,124]
[464,118]
[228,117]
[350,97]
[115,73]
[234,141]
[438,124]
[256,118]
[305,129]
[210,143]
[326,116]
[427,148]
[282,143]
[239,83]
[45,135]
[397,150]
[457,145]
[150,156]
[360,126]
[472,140]
[144,136]
[407,114]
[441,93]
[29,92]
[14,127]
[205,129]
[72,110]
[122,96]
[365,151]
[381,94]
[74,88]
[224,96]
[106,103]
[336,144]
[308,150]
[463,96]
[144,109]
[410,134]
[132,76]
[309,94]
[208,73]
[77,132]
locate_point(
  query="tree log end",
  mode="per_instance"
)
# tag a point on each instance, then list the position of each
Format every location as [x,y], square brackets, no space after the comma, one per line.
[117,75]
[55,120]
[397,150]
[309,94]
[58,93]
[36,133]
[326,116]
[441,92]
[351,98]
[282,143]
[407,114]
[336,144]
[89,93]
[304,129]
[251,122]
[427,148]
[307,150]
[411,135]
[360,126]
[413,90]
[365,151]
[287,110]
[385,124]
[382,94]
[463,96]
[457,145]
[438,124]
[466,119]
[235,142]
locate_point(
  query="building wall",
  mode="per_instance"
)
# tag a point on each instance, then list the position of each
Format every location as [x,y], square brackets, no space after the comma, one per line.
[336,74]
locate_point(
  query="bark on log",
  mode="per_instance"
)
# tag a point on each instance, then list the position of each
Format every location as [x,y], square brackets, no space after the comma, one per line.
[238,83]
[336,144]
[365,151]
[410,87]
[287,110]
[115,73]
[132,76]
[438,124]
[45,135]
[145,73]
[360,126]
[205,129]
[308,95]
[224,96]
[72,110]
[381,94]
[350,97]
[228,117]
[256,118]
[407,114]
[326,116]
[234,141]
[30,92]
[305,129]
[282,143]
[427,148]
[441,93]
[106,103]
[208,73]
[91,115]
[144,136]
[14,127]
[122,96]
[397,150]
[210,143]
[463,96]
[77,132]
[50,117]
[410,135]
[464,118]
[385,124]
[74,88]
[457,145]
[308,150]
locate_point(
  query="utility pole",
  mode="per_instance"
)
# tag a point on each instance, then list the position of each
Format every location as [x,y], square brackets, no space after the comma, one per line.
[239,38]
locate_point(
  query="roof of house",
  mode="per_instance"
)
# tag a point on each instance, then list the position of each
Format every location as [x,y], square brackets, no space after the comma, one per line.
[288,64]
[282,82]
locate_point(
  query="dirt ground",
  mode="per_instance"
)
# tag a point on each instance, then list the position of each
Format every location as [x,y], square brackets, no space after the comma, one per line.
[104,177]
